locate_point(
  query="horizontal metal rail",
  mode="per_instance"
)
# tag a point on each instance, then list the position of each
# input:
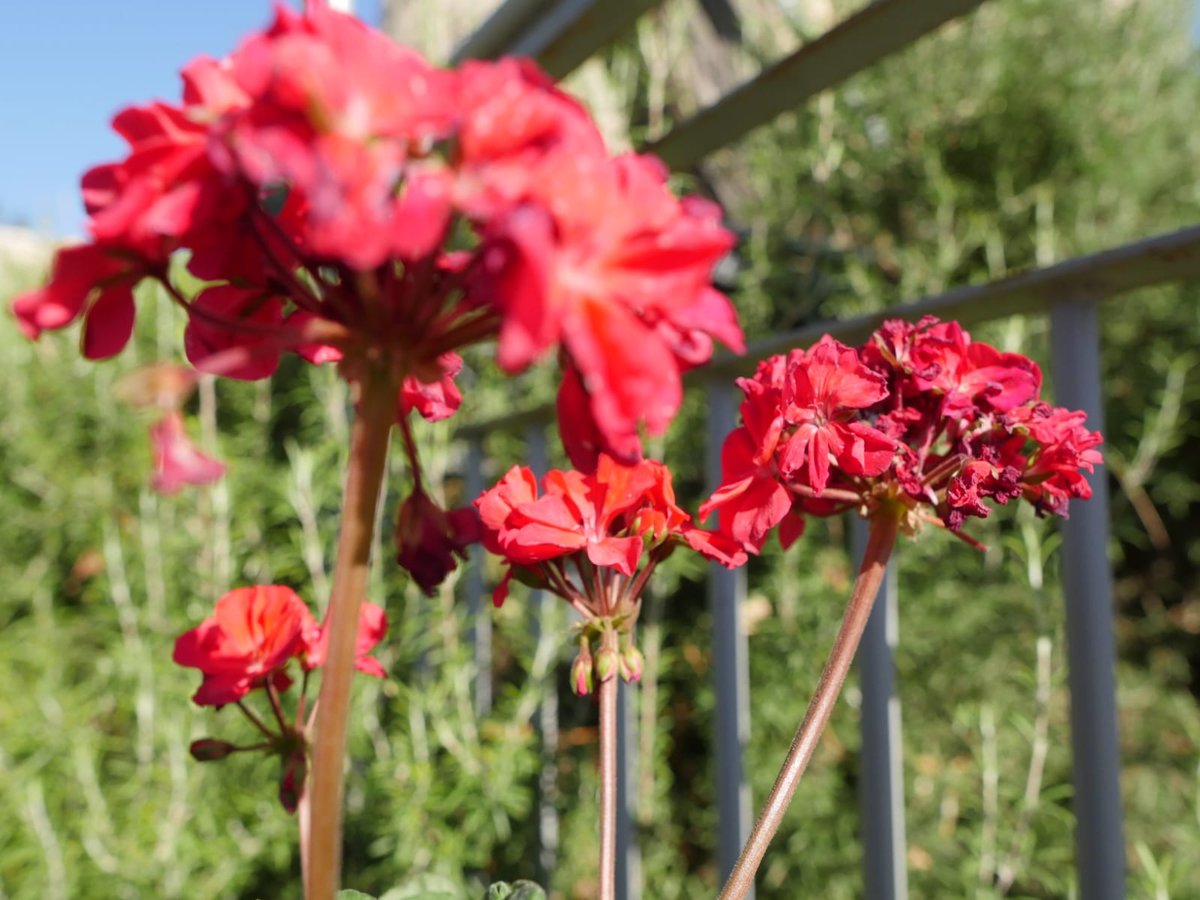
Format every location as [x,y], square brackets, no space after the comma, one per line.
[1154,261]
[859,42]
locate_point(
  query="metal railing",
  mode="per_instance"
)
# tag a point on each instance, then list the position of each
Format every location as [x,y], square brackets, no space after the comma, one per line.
[563,34]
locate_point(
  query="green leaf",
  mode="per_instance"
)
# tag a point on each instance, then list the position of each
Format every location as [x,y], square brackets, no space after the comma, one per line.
[518,890]
[426,886]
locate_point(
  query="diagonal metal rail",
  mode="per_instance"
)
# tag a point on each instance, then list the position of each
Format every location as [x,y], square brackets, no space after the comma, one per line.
[857,43]
[560,36]
[1159,260]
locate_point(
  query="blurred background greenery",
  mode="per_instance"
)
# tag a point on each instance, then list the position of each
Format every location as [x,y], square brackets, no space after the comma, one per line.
[1032,131]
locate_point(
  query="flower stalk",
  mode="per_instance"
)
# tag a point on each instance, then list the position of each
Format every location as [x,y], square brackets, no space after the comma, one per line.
[364,478]
[608,784]
[880,541]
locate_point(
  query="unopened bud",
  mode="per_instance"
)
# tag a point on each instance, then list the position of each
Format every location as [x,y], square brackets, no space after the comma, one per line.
[581,674]
[291,785]
[607,663]
[632,663]
[210,749]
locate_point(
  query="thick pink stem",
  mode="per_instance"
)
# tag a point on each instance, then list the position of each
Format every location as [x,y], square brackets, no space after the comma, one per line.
[879,547]
[608,788]
[368,458]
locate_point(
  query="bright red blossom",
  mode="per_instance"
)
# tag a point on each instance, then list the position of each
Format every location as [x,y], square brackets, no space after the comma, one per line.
[920,416]
[594,539]
[609,518]
[315,180]
[253,635]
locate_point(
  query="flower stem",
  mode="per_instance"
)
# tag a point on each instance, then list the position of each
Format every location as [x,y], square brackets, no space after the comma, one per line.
[608,787]
[304,822]
[881,539]
[368,459]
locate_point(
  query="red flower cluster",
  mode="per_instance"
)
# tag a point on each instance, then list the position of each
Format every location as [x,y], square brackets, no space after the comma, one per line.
[585,538]
[920,417]
[317,177]
[253,635]
[248,644]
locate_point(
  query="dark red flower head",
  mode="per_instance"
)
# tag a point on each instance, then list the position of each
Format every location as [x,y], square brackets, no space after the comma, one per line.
[921,419]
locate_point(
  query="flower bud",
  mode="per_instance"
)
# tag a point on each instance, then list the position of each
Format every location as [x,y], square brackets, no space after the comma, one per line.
[581,672]
[210,749]
[291,785]
[607,663]
[632,663]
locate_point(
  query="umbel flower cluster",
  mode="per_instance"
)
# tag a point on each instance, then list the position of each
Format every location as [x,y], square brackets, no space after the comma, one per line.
[593,540]
[342,199]
[921,422]
[249,645]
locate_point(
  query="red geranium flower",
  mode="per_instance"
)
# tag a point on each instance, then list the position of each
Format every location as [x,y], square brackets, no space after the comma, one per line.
[252,634]
[594,539]
[921,418]
[372,628]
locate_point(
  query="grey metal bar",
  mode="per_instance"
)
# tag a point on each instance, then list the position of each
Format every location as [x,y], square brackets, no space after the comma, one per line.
[478,610]
[546,717]
[877,30]
[629,856]
[881,780]
[560,36]
[500,29]
[577,30]
[1161,259]
[1087,583]
[731,668]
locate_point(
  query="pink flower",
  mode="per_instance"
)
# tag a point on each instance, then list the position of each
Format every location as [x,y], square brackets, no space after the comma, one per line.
[252,634]
[177,461]
[372,628]
[436,399]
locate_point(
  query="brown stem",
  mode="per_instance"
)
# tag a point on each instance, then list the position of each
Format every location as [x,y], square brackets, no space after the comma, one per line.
[880,541]
[368,458]
[608,787]
[258,723]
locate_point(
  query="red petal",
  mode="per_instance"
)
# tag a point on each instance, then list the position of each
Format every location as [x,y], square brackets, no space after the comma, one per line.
[108,324]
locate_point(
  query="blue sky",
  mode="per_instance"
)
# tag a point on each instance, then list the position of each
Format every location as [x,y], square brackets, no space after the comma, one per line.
[67,65]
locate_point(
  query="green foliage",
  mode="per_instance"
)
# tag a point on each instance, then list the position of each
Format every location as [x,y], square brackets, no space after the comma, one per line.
[518,890]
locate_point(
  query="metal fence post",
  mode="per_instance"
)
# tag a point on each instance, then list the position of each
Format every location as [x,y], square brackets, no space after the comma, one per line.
[546,717]
[479,611]
[731,668]
[881,782]
[1087,584]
